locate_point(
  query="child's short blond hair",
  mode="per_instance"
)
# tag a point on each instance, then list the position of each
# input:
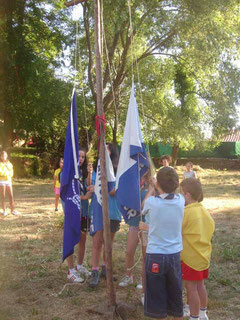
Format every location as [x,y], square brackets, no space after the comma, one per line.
[194,187]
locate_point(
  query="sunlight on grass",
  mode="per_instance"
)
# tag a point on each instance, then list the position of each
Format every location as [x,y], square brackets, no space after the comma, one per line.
[31,272]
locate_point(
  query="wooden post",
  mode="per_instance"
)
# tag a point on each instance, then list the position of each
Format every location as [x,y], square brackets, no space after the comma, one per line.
[104,183]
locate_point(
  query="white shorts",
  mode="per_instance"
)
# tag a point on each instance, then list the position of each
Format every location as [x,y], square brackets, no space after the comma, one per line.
[6,183]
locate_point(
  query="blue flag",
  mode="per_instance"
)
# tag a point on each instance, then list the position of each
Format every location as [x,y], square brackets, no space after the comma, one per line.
[70,193]
[133,163]
[97,216]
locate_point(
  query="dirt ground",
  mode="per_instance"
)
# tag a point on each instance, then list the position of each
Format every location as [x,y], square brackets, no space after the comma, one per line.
[32,277]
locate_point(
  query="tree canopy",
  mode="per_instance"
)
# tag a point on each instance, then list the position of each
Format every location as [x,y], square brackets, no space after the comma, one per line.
[183,55]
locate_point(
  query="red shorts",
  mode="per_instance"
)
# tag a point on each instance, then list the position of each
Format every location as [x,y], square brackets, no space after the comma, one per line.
[190,274]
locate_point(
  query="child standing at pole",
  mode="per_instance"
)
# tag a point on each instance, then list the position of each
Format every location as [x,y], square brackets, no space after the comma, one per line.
[6,173]
[79,273]
[197,231]
[56,182]
[115,219]
[133,238]
[163,292]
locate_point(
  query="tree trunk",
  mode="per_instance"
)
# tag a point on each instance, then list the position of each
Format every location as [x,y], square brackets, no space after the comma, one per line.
[104,186]
[175,150]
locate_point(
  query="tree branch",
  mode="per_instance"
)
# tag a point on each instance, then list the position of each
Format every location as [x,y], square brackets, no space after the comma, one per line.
[73,2]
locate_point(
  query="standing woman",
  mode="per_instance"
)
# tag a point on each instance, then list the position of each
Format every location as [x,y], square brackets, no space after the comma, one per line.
[6,173]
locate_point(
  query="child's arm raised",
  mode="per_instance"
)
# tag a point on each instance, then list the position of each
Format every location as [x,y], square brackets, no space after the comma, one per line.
[90,171]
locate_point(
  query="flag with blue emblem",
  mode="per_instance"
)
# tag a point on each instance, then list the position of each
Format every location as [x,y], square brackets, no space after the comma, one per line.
[69,192]
[133,163]
[97,215]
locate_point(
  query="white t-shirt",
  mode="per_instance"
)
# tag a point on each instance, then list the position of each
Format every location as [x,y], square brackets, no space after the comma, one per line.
[165,224]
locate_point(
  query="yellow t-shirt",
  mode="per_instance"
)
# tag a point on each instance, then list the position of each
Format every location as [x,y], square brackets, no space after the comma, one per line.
[197,231]
[6,171]
[56,174]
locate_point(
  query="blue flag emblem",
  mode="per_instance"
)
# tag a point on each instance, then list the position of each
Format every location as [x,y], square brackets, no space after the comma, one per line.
[69,192]
[133,163]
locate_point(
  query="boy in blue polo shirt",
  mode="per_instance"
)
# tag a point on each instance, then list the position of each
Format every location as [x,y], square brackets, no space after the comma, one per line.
[164,215]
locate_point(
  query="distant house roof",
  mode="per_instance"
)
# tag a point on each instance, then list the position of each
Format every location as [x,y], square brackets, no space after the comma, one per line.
[233,136]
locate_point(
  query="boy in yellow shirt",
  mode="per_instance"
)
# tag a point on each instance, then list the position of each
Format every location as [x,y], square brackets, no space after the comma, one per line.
[197,231]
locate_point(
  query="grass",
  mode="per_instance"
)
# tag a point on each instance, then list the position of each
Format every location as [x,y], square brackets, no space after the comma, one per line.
[32,275]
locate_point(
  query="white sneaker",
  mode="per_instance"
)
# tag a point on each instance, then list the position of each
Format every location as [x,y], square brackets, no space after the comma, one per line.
[186,310]
[139,286]
[142,298]
[205,318]
[5,213]
[15,213]
[83,271]
[74,277]
[126,281]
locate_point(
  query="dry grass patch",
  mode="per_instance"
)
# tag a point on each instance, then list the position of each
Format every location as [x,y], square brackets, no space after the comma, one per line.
[32,276]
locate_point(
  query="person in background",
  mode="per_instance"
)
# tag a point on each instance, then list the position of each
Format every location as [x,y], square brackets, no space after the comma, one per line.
[6,173]
[56,182]
[165,160]
[189,173]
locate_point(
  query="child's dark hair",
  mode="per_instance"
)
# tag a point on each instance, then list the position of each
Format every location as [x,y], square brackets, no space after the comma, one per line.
[167,179]
[194,187]
[114,155]
[167,157]
[85,164]
[57,164]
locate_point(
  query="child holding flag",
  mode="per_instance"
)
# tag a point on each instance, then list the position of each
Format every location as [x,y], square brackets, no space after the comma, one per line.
[197,232]
[78,274]
[163,292]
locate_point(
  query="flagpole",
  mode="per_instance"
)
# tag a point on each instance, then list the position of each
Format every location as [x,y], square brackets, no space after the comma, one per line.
[104,186]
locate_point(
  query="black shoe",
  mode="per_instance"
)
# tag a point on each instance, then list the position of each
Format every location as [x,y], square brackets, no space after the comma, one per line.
[94,280]
[103,273]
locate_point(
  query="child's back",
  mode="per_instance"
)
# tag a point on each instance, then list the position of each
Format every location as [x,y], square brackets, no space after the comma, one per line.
[165,223]
[197,230]
[163,268]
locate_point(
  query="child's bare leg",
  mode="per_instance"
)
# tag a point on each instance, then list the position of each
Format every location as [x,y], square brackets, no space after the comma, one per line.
[57,197]
[70,262]
[97,248]
[81,247]
[202,292]
[10,194]
[193,297]
[3,193]
[132,242]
